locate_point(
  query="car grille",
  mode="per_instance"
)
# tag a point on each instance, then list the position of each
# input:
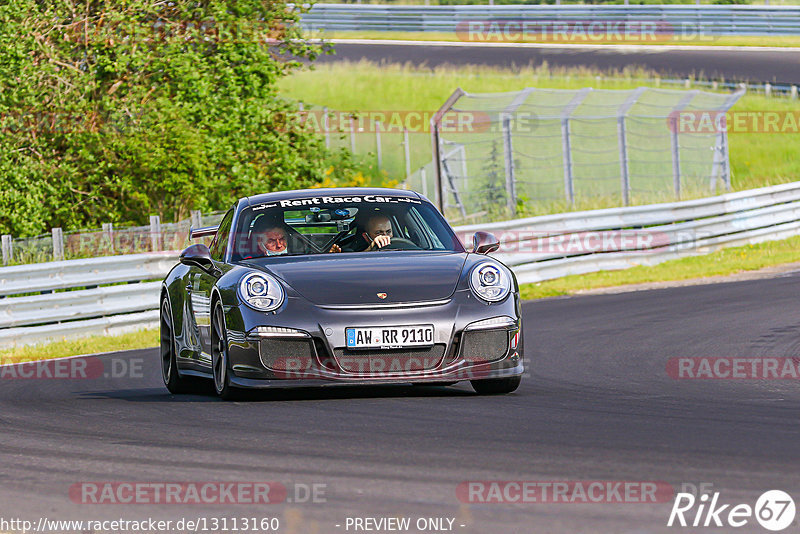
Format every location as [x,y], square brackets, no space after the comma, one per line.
[283,354]
[484,345]
[388,361]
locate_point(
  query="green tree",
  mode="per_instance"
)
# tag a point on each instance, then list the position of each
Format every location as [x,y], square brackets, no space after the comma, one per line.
[113,110]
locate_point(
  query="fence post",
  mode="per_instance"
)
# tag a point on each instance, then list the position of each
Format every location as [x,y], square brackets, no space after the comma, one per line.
[623,143]
[407,153]
[437,166]
[508,157]
[108,235]
[676,157]
[721,164]
[675,141]
[793,92]
[155,233]
[566,144]
[325,126]
[566,149]
[623,160]
[352,135]
[8,249]
[768,89]
[508,149]
[58,244]
[378,143]
[436,144]
[196,218]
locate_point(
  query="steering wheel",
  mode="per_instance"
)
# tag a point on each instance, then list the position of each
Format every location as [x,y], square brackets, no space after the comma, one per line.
[400,243]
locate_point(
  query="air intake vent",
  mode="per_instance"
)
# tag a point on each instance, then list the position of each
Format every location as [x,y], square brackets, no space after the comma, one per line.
[283,354]
[382,362]
[484,345]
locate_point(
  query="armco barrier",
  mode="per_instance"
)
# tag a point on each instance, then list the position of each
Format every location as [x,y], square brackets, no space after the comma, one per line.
[678,229]
[690,22]
[34,311]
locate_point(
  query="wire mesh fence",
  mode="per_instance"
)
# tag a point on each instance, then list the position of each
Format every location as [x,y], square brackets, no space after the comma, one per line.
[503,153]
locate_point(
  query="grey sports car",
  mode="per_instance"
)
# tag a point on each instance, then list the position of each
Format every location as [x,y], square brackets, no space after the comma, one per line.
[339,286]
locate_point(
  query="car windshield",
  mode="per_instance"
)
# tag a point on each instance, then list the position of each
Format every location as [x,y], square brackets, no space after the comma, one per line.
[330,224]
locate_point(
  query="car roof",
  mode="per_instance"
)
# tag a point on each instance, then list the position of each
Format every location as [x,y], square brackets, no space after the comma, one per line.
[331,191]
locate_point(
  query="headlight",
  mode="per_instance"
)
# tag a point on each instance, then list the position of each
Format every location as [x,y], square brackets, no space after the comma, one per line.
[261,291]
[490,282]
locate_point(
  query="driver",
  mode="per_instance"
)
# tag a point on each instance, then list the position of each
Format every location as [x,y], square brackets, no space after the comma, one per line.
[271,239]
[378,234]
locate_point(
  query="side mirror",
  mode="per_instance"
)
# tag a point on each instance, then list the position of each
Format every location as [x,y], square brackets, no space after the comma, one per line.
[198,256]
[484,243]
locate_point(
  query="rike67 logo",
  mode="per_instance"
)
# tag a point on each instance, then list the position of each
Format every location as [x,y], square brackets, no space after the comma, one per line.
[774,510]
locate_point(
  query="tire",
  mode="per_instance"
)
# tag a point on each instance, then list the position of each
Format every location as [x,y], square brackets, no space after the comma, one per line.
[219,355]
[496,386]
[175,383]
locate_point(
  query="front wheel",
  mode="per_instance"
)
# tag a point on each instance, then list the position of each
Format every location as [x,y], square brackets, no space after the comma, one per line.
[496,386]
[219,355]
[169,366]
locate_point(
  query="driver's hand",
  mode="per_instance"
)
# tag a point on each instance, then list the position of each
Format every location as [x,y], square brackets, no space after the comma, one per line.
[380,242]
[335,248]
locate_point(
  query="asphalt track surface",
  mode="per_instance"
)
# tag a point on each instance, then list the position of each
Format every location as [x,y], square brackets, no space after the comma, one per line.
[598,405]
[714,63]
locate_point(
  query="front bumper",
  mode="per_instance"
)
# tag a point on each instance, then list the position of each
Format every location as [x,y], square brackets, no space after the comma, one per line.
[365,381]
[275,356]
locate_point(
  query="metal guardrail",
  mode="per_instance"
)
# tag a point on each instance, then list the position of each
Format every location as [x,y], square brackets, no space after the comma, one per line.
[55,300]
[536,248]
[68,274]
[690,20]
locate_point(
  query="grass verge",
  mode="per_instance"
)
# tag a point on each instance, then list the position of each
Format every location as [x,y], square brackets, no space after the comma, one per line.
[722,262]
[141,339]
[781,41]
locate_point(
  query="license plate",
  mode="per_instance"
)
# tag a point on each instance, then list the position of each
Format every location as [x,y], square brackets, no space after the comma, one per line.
[389,336]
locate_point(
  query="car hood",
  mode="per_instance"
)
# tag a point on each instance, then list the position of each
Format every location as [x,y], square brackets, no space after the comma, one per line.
[358,278]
